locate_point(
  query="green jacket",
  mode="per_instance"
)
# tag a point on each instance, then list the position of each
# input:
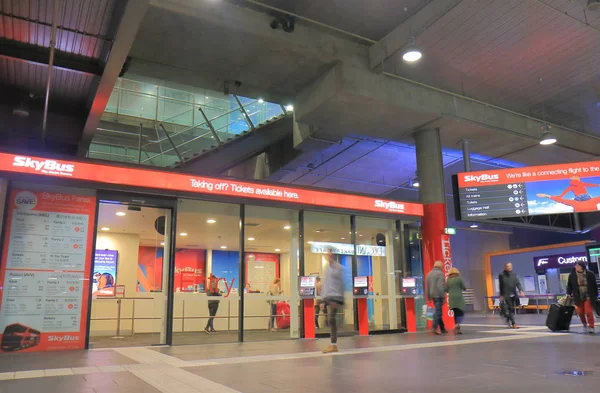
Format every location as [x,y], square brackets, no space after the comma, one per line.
[455,286]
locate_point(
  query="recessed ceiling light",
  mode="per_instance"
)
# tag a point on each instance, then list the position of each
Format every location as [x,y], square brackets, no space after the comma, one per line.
[211,221]
[310,242]
[474,226]
[183,234]
[277,249]
[287,227]
[251,239]
[121,214]
[223,247]
[162,243]
[261,101]
[360,235]
[105,229]
[343,238]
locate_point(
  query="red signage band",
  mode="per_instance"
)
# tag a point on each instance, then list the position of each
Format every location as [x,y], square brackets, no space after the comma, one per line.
[529,174]
[146,178]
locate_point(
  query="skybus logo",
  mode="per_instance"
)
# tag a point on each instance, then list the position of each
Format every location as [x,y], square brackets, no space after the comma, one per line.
[390,206]
[44,166]
[485,178]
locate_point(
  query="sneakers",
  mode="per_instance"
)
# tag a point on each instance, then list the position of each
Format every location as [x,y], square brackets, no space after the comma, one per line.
[514,326]
[591,330]
[331,349]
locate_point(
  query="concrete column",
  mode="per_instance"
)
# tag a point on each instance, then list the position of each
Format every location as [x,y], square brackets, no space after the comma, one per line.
[466,155]
[436,244]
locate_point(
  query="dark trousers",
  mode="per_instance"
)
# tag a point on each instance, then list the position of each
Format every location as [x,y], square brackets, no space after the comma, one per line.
[213,307]
[437,314]
[273,313]
[509,309]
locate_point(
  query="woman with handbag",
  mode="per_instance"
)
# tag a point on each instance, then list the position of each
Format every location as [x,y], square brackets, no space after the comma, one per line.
[584,290]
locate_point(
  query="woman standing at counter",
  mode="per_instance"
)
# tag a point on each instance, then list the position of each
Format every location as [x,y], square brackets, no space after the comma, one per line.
[212,289]
[274,290]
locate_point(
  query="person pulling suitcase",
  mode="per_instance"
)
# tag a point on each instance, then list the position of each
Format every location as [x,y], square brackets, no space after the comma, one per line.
[583,288]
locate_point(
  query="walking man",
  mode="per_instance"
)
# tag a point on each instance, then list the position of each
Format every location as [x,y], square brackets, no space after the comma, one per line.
[333,296]
[509,284]
[436,293]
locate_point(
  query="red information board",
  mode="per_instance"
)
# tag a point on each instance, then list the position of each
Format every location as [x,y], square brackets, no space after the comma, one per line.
[45,272]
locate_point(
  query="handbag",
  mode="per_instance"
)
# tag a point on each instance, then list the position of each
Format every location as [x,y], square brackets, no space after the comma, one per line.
[429,313]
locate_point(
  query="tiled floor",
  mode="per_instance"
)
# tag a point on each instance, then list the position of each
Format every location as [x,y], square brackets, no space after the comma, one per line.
[488,358]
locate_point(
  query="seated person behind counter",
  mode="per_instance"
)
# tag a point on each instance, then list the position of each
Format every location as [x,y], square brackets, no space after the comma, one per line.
[248,289]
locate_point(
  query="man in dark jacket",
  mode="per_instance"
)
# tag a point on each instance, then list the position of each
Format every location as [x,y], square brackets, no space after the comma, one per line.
[435,284]
[584,289]
[509,284]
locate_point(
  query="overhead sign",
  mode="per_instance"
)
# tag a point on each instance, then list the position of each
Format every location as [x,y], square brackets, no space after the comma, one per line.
[559,261]
[530,191]
[162,180]
[347,249]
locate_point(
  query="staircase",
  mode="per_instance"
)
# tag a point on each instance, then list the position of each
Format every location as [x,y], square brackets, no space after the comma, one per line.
[183,129]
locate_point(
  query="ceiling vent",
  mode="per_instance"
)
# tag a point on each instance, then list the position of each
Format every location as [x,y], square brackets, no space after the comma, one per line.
[593,5]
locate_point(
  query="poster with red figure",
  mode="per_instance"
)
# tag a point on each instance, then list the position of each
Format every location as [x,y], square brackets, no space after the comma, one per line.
[189,269]
[45,274]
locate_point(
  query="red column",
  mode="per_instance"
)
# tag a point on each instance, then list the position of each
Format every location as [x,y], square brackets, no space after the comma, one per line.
[363,317]
[436,247]
[411,314]
[309,318]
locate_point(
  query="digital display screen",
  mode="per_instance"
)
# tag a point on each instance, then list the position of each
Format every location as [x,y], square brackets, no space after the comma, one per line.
[105,272]
[361,282]
[409,282]
[529,191]
[308,281]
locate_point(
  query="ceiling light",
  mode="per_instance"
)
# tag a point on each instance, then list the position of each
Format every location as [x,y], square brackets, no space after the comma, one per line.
[162,243]
[105,229]
[343,238]
[287,227]
[183,234]
[547,137]
[415,182]
[360,235]
[211,221]
[411,52]
[261,101]
[251,239]
[310,242]
[223,247]
[277,249]
[474,226]
[289,108]
[121,214]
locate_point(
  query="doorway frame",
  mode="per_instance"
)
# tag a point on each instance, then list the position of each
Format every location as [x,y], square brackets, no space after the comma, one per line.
[141,200]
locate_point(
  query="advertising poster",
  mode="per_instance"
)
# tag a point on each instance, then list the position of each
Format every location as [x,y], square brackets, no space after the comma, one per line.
[105,273]
[189,270]
[150,269]
[261,270]
[45,272]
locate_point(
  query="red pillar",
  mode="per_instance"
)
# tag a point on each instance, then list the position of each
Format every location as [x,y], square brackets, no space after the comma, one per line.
[363,316]
[309,318]
[436,247]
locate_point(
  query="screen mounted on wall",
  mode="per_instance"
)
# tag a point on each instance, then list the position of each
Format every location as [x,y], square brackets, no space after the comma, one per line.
[529,191]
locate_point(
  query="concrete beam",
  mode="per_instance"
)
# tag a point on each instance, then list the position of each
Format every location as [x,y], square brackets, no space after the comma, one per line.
[351,100]
[130,22]
[305,40]
[417,24]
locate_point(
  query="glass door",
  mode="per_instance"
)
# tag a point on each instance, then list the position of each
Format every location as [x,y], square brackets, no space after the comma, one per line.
[130,275]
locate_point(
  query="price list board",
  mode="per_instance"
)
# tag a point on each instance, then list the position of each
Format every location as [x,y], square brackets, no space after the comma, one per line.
[493,201]
[45,271]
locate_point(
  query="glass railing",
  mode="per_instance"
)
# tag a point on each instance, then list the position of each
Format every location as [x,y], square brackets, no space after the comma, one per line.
[161,126]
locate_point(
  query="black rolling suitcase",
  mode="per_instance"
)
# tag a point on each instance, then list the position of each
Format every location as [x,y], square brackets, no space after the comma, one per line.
[559,317]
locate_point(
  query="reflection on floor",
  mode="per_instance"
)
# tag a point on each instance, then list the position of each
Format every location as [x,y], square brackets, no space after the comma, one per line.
[189,338]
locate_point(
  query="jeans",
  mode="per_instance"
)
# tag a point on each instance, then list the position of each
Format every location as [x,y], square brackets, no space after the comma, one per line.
[459,315]
[213,307]
[585,310]
[437,315]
